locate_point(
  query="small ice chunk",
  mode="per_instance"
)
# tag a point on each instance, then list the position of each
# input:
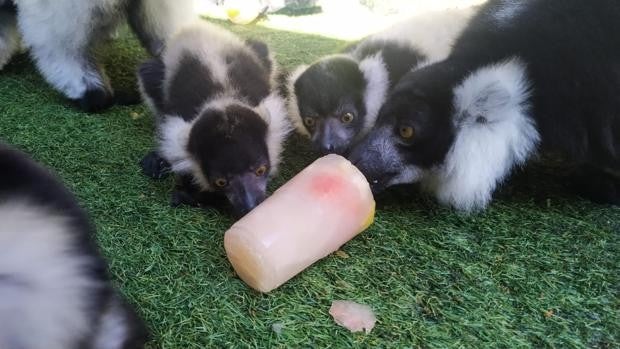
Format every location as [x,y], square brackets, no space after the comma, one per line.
[353,316]
[277,328]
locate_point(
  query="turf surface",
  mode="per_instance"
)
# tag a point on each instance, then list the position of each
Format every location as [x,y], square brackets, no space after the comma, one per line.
[539,268]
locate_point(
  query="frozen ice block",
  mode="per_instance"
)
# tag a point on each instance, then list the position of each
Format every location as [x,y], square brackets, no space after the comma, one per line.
[312,215]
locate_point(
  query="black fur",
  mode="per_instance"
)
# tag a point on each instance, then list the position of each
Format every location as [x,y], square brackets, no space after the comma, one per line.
[251,79]
[228,143]
[325,92]
[571,52]
[329,88]
[236,133]
[95,100]
[151,73]
[399,59]
[189,86]
[262,51]
[138,22]
[7,5]
[22,180]
[333,86]
[154,166]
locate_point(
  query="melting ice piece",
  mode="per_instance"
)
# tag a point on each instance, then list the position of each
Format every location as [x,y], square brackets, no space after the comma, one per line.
[353,316]
[309,217]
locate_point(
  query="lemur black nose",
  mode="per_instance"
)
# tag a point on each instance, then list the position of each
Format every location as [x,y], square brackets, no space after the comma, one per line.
[327,148]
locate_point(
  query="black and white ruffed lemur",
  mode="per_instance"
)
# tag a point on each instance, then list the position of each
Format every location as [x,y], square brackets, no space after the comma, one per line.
[221,121]
[62,36]
[524,77]
[335,100]
[55,290]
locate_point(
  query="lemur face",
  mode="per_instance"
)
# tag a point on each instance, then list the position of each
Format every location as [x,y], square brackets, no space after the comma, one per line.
[330,99]
[413,133]
[231,156]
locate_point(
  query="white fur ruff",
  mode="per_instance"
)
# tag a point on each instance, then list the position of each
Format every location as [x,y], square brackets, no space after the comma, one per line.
[173,141]
[494,133]
[377,85]
[293,104]
[273,110]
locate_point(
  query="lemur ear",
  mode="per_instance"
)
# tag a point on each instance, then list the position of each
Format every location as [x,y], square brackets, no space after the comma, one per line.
[262,51]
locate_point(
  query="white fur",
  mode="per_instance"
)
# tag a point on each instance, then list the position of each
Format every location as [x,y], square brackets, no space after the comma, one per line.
[146,98]
[377,85]
[174,134]
[57,33]
[9,38]
[61,34]
[293,104]
[112,331]
[173,140]
[508,10]
[484,153]
[211,44]
[409,174]
[43,305]
[273,110]
[432,33]
[208,43]
[178,14]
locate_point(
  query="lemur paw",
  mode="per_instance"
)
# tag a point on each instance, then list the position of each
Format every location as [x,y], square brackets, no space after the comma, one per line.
[597,185]
[95,100]
[154,166]
[126,98]
[181,198]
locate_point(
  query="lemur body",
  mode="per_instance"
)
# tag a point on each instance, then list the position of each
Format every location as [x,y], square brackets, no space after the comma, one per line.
[221,122]
[524,77]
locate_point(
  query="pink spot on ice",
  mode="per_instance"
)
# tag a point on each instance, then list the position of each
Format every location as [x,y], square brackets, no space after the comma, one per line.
[325,184]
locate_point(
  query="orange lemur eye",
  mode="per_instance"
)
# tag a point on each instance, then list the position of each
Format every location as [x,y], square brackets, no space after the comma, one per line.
[309,121]
[261,170]
[221,182]
[406,132]
[347,118]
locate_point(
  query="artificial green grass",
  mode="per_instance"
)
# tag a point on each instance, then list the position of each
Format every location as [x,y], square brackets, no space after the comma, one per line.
[539,268]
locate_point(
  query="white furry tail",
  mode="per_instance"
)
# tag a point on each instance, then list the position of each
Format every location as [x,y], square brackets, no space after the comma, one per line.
[494,133]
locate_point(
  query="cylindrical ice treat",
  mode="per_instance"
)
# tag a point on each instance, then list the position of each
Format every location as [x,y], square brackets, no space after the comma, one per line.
[309,217]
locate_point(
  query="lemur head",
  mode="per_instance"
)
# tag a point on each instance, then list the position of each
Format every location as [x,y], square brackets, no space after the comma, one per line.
[458,134]
[231,148]
[230,151]
[329,100]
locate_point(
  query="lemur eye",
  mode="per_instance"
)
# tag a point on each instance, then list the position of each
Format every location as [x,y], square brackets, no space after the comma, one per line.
[406,132]
[347,118]
[309,121]
[261,170]
[221,182]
